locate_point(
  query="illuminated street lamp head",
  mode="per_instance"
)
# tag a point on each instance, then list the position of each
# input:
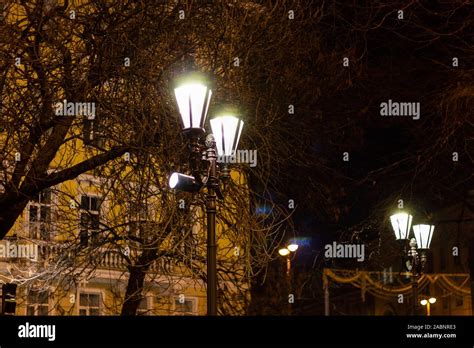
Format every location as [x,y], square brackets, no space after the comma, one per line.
[401,224]
[432,300]
[183,182]
[424,302]
[193,95]
[423,235]
[284,252]
[226,128]
[292,247]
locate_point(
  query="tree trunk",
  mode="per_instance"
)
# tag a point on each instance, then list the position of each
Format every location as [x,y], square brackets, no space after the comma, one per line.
[133,295]
[136,280]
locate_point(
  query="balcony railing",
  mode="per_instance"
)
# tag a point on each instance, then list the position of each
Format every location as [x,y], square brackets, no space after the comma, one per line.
[113,259]
[108,258]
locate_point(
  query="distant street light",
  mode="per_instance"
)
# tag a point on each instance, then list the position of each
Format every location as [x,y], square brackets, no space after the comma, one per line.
[415,250]
[428,304]
[286,252]
[193,96]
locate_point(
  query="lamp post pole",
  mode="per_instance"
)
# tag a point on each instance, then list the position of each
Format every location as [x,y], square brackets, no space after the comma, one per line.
[211,228]
[416,267]
[417,262]
[212,182]
[415,293]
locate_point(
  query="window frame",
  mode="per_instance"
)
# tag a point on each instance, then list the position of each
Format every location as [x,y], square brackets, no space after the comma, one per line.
[149,306]
[89,213]
[36,305]
[92,135]
[38,223]
[192,299]
[89,292]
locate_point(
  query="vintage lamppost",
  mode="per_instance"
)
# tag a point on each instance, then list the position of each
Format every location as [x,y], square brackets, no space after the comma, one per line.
[193,96]
[415,250]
